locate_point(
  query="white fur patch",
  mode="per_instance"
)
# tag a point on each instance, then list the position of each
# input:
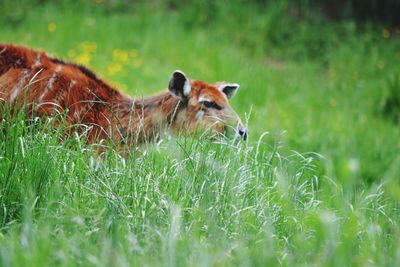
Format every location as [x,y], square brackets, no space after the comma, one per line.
[200,115]
[221,87]
[230,93]
[202,99]
[37,61]
[20,85]
[71,84]
[186,88]
[4,49]
[50,83]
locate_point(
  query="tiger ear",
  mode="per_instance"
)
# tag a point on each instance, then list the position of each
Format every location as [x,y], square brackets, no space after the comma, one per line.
[229,89]
[179,84]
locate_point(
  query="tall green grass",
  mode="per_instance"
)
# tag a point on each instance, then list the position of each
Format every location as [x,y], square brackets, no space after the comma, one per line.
[316,184]
[181,202]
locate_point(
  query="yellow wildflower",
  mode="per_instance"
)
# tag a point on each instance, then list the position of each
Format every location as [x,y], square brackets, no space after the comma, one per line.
[119,86]
[385,33]
[51,27]
[84,59]
[89,47]
[133,53]
[113,68]
[121,56]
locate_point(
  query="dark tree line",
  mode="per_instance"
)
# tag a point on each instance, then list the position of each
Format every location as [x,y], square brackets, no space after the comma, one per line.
[383,11]
[386,11]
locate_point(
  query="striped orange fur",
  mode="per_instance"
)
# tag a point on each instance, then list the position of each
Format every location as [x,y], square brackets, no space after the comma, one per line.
[47,86]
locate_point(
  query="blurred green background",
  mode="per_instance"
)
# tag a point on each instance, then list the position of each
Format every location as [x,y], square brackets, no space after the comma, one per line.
[318,76]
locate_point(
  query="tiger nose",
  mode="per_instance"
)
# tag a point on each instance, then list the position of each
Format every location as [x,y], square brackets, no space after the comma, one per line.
[242,131]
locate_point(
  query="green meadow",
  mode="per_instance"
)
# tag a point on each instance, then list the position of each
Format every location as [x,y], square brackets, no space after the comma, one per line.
[316,184]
